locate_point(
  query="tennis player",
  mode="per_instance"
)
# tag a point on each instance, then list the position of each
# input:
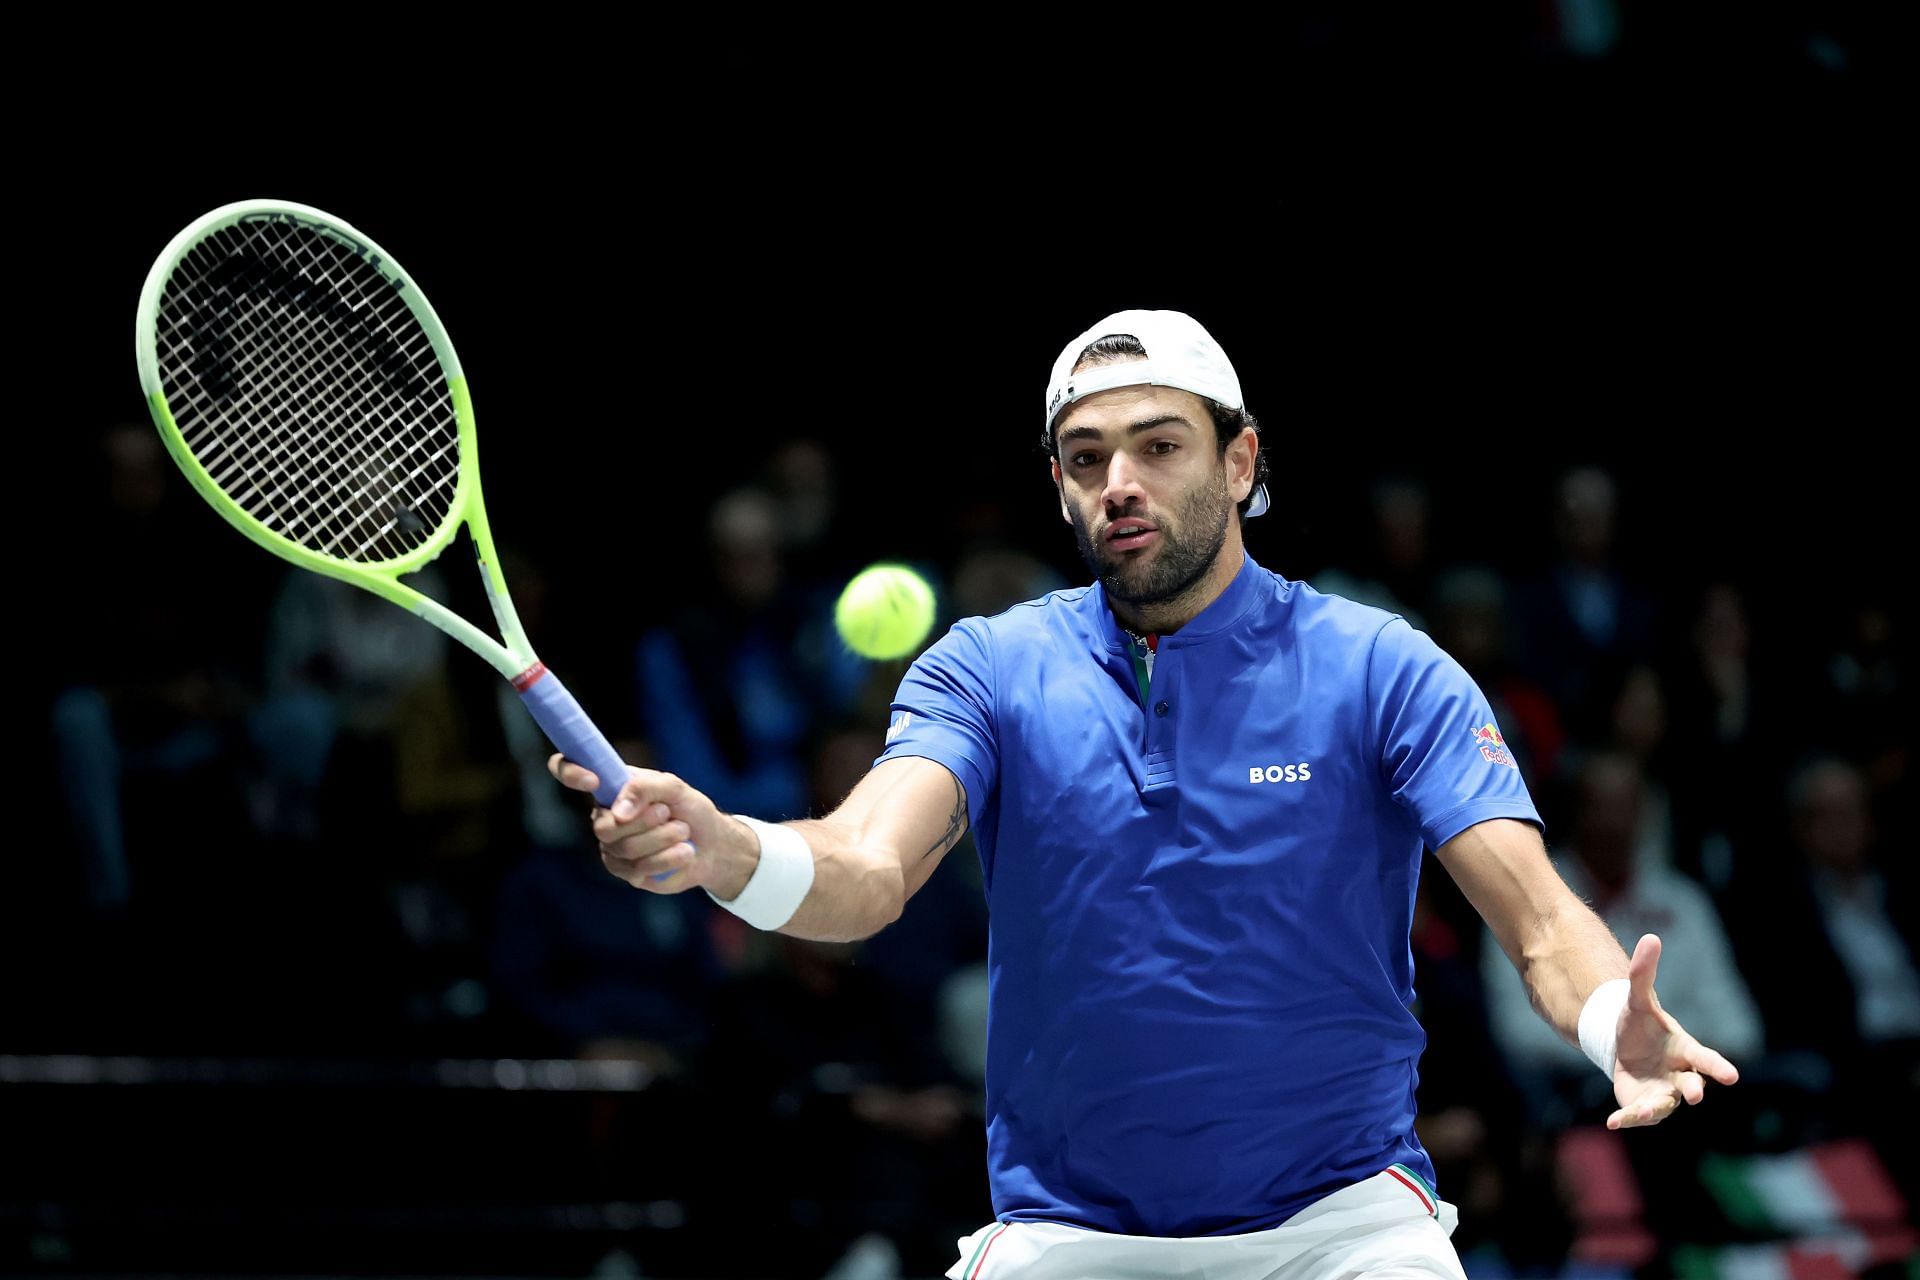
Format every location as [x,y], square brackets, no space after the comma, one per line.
[1200,792]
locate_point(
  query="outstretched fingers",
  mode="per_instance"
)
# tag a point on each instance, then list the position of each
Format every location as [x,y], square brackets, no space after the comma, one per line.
[1708,1062]
[1651,1107]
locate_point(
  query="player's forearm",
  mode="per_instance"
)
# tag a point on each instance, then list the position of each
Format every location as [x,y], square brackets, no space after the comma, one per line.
[1563,956]
[856,891]
[848,875]
[1562,950]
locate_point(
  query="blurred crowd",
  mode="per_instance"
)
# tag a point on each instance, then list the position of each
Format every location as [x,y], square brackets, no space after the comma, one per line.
[295,820]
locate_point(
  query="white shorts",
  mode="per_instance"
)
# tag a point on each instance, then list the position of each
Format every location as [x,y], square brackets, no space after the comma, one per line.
[1389,1225]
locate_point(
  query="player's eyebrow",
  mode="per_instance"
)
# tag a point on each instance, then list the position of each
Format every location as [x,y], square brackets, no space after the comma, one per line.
[1132,429]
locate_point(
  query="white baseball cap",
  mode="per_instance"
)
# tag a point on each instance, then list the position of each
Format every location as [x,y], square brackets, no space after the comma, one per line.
[1179,354]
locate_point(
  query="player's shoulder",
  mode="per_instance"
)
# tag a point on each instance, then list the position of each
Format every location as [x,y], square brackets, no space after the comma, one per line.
[1323,617]
[1069,606]
[980,642]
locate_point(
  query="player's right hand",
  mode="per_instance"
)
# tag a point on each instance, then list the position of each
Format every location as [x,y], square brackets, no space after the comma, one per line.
[659,834]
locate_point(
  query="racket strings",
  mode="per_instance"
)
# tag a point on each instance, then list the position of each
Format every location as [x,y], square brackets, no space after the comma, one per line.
[334,396]
[373,483]
[286,442]
[308,391]
[322,378]
[369,473]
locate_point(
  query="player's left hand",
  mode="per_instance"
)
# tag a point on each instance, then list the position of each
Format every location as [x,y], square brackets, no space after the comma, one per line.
[1657,1065]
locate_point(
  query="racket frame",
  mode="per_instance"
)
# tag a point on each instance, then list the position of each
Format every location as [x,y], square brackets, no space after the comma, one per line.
[558,713]
[515,658]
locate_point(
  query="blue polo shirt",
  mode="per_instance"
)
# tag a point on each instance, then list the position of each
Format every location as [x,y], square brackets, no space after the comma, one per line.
[1200,899]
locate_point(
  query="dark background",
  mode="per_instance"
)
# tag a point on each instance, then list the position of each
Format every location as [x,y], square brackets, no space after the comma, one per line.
[1476,252]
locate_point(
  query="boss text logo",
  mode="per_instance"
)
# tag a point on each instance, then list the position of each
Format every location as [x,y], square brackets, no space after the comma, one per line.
[1302,772]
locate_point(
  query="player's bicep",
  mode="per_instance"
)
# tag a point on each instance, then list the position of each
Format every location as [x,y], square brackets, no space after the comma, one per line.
[1502,867]
[910,808]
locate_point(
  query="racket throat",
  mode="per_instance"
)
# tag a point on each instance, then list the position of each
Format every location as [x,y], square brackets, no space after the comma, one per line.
[530,677]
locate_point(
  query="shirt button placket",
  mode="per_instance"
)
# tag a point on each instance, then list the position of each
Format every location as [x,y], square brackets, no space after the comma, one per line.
[1160,726]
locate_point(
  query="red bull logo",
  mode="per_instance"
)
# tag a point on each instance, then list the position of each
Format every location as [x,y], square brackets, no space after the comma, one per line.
[1493,746]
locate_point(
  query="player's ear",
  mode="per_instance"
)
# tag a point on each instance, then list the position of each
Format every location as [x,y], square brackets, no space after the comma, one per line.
[1060,492]
[1241,452]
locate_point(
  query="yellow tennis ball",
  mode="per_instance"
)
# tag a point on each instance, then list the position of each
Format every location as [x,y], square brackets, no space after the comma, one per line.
[885,612]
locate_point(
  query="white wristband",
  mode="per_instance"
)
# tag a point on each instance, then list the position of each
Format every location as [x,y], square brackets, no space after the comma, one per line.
[780,883]
[1600,1023]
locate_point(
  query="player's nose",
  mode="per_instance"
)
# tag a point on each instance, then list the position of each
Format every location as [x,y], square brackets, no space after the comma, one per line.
[1123,482]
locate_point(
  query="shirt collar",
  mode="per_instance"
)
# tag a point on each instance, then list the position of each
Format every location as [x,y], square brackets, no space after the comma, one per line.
[1227,608]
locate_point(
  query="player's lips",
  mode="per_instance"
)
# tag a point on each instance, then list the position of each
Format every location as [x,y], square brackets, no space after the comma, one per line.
[1128,533]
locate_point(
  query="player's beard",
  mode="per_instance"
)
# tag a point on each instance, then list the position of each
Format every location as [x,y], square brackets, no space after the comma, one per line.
[1189,544]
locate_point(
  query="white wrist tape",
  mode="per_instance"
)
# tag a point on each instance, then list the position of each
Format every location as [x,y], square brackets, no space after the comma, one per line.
[780,883]
[1600,1023]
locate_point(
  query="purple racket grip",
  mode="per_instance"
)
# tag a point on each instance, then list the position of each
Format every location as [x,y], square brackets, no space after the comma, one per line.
[568,728]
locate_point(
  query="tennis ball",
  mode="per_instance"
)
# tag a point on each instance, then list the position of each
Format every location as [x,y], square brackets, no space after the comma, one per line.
[885,612]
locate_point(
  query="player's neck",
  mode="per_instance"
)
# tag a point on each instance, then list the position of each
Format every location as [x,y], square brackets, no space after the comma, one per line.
[1164,617]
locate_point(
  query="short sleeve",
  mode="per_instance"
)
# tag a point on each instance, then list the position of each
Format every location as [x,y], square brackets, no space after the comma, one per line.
[944,711]
[1440,752]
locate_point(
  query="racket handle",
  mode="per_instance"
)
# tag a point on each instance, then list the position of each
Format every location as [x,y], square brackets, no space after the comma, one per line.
[568,728]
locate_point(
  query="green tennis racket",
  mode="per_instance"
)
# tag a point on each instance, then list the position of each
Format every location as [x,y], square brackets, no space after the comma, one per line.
[310,393]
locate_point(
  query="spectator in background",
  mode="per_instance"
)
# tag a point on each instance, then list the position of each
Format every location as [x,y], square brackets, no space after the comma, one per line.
[1634,899]
[1585,611]
[154,688]
[1398,567]
[358,650]
[800,478]
[580,971]
[165,748]
[855,1123]
[1868,920]
[339,663]
[734,686]
[1718,720]
[801,482]
[992,578]
[1838,925]
[1868,692]
[394,756]
[1637,724]
[595,972]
